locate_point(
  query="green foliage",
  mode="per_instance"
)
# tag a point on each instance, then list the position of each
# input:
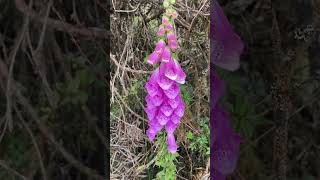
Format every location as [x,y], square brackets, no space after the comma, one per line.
[74,91]
[201,142]
[185,92]
[237,100]
[136,87]
[244,117]
[16,150]
[165,160]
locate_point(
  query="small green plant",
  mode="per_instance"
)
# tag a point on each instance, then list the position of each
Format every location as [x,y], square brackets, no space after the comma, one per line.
[200,143]
[244,115]
[185,92]
[245,119]
[165,160]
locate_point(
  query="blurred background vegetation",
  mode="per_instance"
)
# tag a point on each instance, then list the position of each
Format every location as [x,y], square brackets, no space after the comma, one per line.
[274,96]
[52,89]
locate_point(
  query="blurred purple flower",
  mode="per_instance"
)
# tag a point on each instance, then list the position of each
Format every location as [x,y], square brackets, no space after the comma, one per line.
[219,87]
[172,41]
[226,45]
[161,31]
[157,53]
[172,145]
[169,28]
[224,142]
[166,55]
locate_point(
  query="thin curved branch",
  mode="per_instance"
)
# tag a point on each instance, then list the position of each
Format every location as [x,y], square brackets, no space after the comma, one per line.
[60,25]
[4,165]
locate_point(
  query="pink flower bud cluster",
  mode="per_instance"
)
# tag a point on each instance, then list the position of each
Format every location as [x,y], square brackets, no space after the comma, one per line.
[165,106]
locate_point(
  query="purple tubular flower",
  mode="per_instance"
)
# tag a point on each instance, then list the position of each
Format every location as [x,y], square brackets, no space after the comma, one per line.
[175,119]
[160,47]
[172,41]
[155,125]
[166,109]
[226,45]
[153,58]
[154,129]
[151,133]
[173,91]
[151,112]
[165,106]
[166,55]
[169,28]
[152,88]
[179,111]
[162,118]
[156,54]
[157,99]
[172,145]
[170,127]
[181,79]
[165,20]
[161,31]
[225,143]
[173,71]
[174,103]
[169,69]
[164,82]
[149,102]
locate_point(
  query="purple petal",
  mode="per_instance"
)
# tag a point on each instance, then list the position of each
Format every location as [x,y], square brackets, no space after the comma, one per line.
[170,127]
[181,78]
[169,69]
[225,160]
[153,58]
[166,109]
[175,118]
[225,142]
[152,88]
[151,133]
[162,118]
[180,110]
[175,102]
[155,125]
[149,102]
[155,100]
[169,28]
[166,55]
[173,91]
[226,45]
[172,41]
[165,20]
[160,46]
[164,82]
[161,31]
[172,145]
[151,112]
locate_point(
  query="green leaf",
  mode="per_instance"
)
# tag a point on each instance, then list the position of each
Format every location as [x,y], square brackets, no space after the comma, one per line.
[189,135]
